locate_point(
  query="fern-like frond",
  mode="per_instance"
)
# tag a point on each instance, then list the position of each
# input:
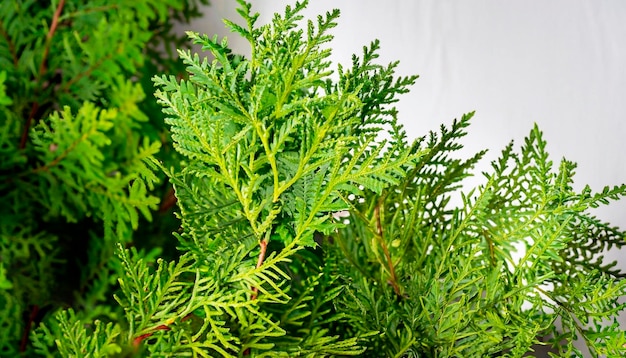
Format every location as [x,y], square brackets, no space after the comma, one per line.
[152,299]
[75,341]
[452,271]
[72,150]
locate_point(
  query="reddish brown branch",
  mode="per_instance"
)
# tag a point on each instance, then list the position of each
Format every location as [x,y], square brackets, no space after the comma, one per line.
[263,245]
[255,290]
[137,341]
[53,28]
[164,327]
[168,201]
[42,71]
[31,319]
[33,112]
[392,271]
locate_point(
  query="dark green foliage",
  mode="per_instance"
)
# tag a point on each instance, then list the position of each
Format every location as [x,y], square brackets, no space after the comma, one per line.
[77,136]
[305,233]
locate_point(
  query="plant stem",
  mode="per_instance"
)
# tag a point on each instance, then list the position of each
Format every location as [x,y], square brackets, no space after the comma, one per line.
[263,245]
[53,28]
[137,341]
[168,201]
[33,112]
[380,234]
[42,71]
[26,333]
[163,327]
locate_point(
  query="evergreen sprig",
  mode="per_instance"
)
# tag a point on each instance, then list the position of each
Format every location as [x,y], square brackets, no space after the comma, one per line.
[305,233]
[274,126]
[270,142]
[458,289]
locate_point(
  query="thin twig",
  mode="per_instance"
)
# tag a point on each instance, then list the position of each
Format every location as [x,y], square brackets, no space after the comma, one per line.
[169,200]
[33,111]
[137,341]
[53,28]
[263,245]
[42,71]
[26,333]
[163,327]
[392,270]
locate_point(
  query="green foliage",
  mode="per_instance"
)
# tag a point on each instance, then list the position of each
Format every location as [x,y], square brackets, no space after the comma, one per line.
[305,233]
[435,280]
[77,141]
[78,341]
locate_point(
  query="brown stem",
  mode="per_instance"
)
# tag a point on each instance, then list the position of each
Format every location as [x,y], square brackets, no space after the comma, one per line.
[31,319]
[33,112]
[263,245]
[42,70]
[255,290]
[168,201]
[53,28]
[392,271]
[137,341]
[164,327]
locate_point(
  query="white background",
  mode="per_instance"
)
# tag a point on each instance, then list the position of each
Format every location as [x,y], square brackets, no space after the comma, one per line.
[560,64]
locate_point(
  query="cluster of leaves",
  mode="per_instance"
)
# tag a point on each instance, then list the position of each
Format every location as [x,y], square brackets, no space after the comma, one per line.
[305,233]
[437,280]
[272,146]
[76,136]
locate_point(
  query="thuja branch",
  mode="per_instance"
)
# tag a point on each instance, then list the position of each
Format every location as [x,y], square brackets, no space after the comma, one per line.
[580,329]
